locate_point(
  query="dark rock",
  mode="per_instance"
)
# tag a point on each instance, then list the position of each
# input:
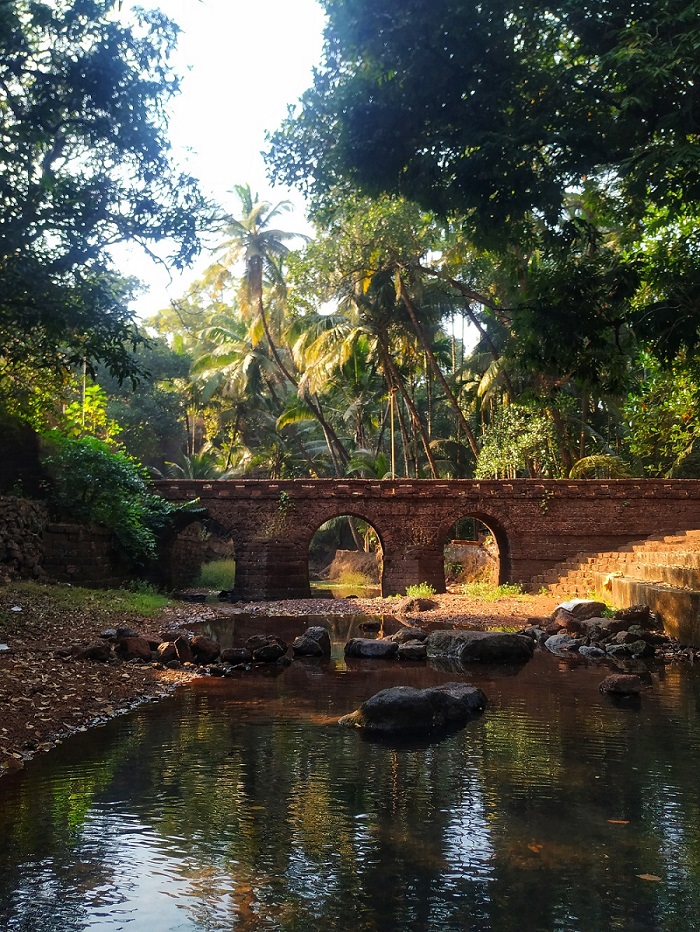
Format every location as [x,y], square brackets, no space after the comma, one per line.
[562,644]
[98,651]
[407,634]
[635,615]
[565,620]
[236,655]
[372,624]
[173,664]
[623,637]
[480,646]
[640,649]
[618,650]
[122,633]
[258,641]
[216,670]
[403,709]
[266,648]
[534,632]
[109,634]
[268,654]
[368,647]
[205,650]
[603,627]
[166,652]
[134,648]
[582,609]
[622,684]
[592,652]
[643,634]
[413,650]
[183,650]
[411,604]
[314,642]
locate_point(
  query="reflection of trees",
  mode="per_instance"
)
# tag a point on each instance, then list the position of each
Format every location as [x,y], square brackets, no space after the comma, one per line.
[262,808]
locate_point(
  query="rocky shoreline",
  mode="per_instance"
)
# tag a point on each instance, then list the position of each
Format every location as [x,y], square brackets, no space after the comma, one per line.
[64,671]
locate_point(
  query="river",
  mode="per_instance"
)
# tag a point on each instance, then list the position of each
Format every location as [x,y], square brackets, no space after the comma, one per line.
[240,804]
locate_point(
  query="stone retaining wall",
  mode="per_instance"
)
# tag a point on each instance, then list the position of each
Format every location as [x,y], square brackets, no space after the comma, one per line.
[82,555]
[22,524]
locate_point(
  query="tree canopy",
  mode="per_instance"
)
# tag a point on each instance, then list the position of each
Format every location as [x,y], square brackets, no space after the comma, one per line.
[85,164]
[495,109]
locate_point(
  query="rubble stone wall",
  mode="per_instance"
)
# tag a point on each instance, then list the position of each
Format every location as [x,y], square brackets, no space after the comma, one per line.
[22,523]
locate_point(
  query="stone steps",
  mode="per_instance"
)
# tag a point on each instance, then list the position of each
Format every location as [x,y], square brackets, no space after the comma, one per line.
[662,571]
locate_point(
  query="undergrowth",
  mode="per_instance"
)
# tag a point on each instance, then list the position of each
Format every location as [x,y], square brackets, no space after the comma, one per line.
[490,593]
[421,591]
[219,574]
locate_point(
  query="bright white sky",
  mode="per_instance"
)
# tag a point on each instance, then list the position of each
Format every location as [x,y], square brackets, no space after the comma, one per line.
[243,62]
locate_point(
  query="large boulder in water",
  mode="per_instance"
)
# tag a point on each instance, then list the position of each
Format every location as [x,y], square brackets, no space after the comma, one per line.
[405,710]
[314,642]
[480,646]
[368,647]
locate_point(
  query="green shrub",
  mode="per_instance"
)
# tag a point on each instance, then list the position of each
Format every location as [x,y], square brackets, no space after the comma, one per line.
[91,483]
[219,574]
[421,591]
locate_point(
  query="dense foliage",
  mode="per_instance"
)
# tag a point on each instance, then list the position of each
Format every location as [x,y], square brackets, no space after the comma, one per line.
[503,281]
[84,165]
[94,484]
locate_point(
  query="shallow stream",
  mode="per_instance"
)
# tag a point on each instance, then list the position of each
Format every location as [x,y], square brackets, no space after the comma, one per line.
[240,804]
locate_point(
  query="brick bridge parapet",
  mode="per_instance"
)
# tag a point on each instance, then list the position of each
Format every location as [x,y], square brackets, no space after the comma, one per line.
[536,523]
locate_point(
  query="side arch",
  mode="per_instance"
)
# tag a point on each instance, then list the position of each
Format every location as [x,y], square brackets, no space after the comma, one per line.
[496,525]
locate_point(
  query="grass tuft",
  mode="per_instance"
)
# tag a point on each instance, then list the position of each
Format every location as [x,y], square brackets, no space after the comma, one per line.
[490,593]
[219,574]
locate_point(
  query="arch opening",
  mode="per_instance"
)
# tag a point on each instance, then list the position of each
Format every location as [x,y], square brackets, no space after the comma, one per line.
[346,558]
[475,552]
[203,556]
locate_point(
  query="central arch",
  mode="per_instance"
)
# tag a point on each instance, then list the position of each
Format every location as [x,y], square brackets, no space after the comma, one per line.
[346,542]
[495,526]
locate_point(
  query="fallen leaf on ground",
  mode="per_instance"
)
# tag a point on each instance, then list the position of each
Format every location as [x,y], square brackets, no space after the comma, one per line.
[648,877]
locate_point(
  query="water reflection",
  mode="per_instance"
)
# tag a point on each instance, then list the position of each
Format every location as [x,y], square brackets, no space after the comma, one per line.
[240,804]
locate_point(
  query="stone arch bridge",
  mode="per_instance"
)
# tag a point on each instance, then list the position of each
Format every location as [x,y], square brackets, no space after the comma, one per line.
[536,524]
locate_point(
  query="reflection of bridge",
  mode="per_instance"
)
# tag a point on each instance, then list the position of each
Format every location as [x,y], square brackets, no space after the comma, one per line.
[536,524]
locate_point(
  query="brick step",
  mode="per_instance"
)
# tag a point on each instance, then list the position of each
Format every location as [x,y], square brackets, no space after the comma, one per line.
[667,560]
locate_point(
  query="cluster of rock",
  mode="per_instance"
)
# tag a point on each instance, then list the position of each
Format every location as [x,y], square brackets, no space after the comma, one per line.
[632,633]
[461,646]
[125,645]
[22,522]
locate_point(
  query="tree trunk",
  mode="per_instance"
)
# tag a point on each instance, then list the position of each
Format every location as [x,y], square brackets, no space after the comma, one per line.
[428,350]
[390,368]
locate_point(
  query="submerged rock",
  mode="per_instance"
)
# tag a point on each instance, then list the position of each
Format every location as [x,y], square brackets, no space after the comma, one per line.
[404,709]
[622,684]
[266,648]
[413,650]
[235,655]
[562,644]
[480,646]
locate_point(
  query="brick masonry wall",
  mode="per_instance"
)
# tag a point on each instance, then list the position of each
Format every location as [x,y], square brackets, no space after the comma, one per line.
[83,556]
[536,524]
